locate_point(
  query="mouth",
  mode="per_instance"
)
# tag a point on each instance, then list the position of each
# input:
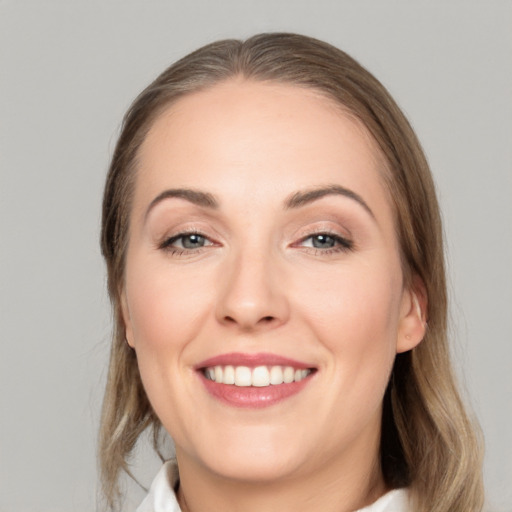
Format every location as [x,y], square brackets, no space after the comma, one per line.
[260,376]
[254,380]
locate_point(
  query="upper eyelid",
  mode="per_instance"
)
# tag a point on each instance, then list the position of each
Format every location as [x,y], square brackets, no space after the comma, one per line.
[322,229]
[343,243]
[307,234]
[327,226]
[343,240]
[188,233]
[167,240]
[193,230]
[332,234]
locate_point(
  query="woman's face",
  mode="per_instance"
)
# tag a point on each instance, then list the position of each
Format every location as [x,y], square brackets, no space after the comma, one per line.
[263,252]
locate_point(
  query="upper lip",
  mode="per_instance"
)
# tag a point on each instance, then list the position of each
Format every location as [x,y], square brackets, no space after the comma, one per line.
[252,360]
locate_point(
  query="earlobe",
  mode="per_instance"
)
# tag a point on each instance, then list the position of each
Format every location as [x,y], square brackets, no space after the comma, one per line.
[128,332]
[413,323]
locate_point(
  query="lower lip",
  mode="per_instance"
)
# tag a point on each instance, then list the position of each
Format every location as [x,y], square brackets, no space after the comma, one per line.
[253,397]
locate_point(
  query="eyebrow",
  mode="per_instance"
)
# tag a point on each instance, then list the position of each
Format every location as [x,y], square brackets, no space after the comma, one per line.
[296,200]
[197,197]
[305,197]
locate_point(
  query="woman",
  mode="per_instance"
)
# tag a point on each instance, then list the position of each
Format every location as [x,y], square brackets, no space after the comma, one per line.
[274,253]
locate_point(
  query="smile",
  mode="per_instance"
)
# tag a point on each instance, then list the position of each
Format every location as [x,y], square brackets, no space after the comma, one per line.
[254,380]
[260,376]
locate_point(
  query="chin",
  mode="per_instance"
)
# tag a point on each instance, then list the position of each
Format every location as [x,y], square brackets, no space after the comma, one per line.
[255,456]
[251,469]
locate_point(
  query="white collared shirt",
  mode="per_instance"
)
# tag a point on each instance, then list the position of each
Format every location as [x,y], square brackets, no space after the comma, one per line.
[161,496]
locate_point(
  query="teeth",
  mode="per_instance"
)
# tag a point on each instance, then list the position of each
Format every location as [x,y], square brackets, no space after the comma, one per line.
[218,373]
[261,376]
[288,375]
[300,374]
[229,375]
[243,376]
[276,375]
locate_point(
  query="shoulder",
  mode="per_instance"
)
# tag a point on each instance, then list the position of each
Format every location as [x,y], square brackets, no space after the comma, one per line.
[161,496]
[393,501]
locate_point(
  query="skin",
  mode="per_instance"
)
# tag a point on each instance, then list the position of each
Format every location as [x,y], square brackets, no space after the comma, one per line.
[259,285]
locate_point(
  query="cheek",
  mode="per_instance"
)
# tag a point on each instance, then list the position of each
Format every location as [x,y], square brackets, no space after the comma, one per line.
[166,313]
[358,300]
[355,312]
[165,308]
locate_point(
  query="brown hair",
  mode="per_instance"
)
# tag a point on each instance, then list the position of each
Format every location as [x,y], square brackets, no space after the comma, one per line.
[428,443]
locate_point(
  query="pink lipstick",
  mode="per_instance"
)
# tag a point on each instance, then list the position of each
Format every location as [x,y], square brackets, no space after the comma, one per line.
[253,380]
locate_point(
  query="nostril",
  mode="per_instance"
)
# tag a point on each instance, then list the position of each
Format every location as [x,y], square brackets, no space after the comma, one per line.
[262,321]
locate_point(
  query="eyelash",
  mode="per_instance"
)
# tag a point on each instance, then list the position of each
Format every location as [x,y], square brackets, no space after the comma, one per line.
[341,244]
[167,246]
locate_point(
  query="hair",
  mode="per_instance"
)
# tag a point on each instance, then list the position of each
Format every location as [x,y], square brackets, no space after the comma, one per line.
[428,442]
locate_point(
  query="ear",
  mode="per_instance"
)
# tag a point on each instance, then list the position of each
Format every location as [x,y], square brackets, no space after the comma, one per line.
[125,312]
[413,320]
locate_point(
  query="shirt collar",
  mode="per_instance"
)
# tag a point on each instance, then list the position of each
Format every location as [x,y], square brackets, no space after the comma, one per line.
[162,498]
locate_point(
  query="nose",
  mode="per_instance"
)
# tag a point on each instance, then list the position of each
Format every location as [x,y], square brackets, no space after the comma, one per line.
[252,295]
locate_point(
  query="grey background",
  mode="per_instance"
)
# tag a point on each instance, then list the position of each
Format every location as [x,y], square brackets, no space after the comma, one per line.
[68,71]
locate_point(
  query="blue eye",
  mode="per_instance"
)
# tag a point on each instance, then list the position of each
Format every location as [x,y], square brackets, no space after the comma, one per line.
[185,242]
[323,241]
[192,241]
[326,242]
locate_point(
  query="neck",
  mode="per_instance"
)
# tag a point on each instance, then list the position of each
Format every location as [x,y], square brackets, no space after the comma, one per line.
[332,487]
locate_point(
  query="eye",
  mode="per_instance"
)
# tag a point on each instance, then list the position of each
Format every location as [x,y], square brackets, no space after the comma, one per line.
[184,242]
[326,242]
[322,241]
[191,241]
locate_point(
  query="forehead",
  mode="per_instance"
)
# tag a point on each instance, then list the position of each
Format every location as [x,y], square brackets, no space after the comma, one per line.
[258,138]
